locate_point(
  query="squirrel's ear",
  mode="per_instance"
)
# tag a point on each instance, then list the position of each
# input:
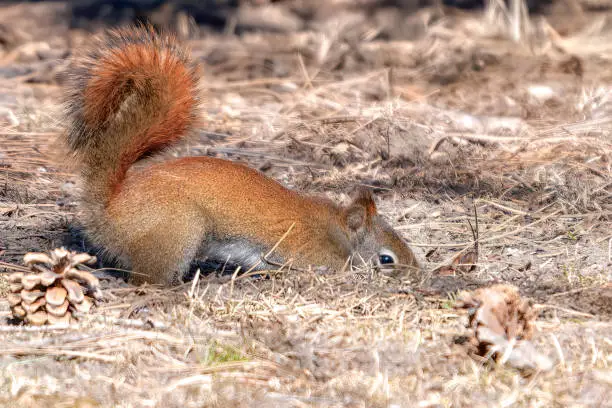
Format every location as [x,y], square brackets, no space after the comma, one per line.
[360,212]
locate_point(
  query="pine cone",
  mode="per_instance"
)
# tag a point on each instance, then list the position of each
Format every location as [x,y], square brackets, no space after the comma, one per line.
[55,289]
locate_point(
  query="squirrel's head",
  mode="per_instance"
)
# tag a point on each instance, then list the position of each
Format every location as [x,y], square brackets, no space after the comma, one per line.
[374,240]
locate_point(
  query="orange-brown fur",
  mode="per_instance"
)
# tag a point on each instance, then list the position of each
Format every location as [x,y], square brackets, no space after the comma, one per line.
[135,94]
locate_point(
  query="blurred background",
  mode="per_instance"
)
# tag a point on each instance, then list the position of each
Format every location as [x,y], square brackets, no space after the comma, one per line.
[217,14]
[237,16]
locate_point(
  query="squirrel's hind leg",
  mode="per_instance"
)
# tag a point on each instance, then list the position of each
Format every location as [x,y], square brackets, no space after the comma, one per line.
[163,255]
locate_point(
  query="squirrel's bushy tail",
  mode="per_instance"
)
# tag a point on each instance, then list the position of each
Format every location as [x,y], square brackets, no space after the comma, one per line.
[133,93]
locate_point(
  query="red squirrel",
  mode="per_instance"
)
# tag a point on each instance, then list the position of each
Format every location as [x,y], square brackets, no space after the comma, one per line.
[132,94]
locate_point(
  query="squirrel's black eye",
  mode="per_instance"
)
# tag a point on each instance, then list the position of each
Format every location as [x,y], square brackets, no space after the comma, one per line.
[386,259]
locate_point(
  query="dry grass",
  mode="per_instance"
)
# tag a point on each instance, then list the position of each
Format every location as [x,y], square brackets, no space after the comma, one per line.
[457,119]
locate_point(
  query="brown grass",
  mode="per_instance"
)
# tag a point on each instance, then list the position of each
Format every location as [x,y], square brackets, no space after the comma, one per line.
[458,118]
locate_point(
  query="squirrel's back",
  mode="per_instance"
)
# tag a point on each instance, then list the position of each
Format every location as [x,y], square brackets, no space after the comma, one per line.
[131,93]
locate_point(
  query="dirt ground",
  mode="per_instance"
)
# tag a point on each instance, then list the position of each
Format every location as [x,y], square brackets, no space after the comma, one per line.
[447,117]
